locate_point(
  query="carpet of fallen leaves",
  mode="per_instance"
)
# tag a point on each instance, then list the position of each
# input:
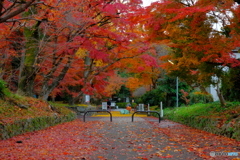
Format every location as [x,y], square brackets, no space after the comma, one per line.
[64,141]
[198,141]
[121,139]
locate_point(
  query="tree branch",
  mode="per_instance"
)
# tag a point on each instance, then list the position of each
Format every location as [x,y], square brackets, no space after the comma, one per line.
[19,10]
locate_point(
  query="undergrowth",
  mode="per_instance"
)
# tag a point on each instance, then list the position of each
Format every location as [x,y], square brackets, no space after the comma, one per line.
[210,117]
[20,114]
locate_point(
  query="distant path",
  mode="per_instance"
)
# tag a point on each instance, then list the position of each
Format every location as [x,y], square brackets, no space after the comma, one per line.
[99,139]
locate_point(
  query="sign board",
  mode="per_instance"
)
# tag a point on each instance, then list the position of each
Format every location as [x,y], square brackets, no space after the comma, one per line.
[113,104]
[104,105]
[87,98]
[141,107]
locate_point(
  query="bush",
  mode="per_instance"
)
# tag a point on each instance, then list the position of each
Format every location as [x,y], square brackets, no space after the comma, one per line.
[153,97]
[125,104]
[210,117]
[200,97]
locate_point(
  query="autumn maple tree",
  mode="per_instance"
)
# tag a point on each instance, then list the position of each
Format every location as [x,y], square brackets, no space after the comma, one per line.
[114,85]
[145,70]
[55,47]
[69,49]
[200,51]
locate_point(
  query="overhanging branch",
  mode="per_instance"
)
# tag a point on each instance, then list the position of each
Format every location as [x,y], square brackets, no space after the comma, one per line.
[18,10]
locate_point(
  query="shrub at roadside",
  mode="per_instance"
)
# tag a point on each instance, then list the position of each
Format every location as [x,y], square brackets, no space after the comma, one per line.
[200,97]
[209,117]
[125,104]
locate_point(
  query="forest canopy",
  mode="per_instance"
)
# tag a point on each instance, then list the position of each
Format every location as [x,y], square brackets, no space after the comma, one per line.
[56,47]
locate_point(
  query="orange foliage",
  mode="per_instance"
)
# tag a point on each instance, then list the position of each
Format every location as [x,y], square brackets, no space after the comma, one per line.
[134,83]
[114,84]
[197,45]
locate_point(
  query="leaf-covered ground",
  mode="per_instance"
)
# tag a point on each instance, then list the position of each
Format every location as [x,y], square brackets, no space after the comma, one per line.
[97,138]
[17,108]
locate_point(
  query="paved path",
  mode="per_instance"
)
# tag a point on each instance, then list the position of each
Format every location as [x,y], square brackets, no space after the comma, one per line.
[145,138]
[100,139]
[126,140]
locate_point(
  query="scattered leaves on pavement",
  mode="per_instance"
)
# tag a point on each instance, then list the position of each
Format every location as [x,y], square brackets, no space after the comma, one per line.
[121,139]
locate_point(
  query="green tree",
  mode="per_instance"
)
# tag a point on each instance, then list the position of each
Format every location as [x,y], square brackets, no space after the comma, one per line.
[123,93]
[166,92]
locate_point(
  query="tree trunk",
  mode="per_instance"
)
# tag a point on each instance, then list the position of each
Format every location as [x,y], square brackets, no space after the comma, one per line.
[88,64]
[28,67]
[48,88]
[219,93]
[221,98]
[74,100]
[26,81]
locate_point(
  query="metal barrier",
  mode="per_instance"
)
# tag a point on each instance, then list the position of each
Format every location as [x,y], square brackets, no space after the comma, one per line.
[97,111]
[146,112]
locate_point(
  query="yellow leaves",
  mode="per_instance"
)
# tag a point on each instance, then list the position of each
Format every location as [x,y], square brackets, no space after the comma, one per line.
[99,63]
[81,53]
